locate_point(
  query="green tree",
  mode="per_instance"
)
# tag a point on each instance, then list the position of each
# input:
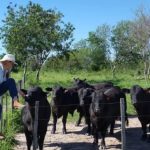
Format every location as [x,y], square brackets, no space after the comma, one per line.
[99,45]
[124,44]
[83,54]
[34,34]
[141,29]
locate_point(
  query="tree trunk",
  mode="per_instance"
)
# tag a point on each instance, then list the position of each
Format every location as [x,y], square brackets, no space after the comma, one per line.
[24,74]
[148,70]
[38,74]
[113,69]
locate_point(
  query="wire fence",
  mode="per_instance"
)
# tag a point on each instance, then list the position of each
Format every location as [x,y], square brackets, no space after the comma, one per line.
[7,106]
[6,109]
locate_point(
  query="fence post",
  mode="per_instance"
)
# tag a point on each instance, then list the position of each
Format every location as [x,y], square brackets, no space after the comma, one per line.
[6,110]
[20,84]
[1,120]
[122,110]
[35,145]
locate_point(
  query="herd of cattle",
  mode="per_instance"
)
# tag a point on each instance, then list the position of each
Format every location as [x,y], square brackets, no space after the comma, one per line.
[99,104]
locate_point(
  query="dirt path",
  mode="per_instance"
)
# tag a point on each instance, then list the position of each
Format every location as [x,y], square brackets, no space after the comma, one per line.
[77,140]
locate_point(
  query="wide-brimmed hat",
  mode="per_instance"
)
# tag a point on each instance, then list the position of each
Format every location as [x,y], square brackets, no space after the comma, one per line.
[8,57]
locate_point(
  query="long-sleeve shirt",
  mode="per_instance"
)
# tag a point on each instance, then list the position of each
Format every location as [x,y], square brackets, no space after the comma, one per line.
[2,74]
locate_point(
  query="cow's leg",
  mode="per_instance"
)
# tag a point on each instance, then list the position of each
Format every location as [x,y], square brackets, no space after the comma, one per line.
[112,125]
[79,120]
[88,122]
[41,140]
[29,138]
[64,120]
[92,129]
[148,136]
[54,123]
[95,134]
[103,145]
[126,119]
[144,136]
[149,127]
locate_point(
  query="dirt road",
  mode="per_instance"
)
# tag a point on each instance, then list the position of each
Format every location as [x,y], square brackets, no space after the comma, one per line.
[76,139]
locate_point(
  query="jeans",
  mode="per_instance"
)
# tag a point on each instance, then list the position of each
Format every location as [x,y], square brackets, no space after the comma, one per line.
[9,85]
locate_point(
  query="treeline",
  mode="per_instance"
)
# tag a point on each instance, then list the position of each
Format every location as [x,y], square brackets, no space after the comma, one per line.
[40,39]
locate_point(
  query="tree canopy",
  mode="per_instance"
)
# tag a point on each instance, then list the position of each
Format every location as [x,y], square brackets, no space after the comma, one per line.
[33,33]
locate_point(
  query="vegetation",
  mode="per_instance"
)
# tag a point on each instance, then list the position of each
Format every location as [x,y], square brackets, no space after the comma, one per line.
[33,33]
[125,45]
[11,127]
[124,78]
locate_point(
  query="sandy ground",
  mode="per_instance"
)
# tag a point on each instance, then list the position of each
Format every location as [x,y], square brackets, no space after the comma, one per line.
[76,139]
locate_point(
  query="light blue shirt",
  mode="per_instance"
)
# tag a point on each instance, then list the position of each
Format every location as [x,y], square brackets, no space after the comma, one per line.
[2,74]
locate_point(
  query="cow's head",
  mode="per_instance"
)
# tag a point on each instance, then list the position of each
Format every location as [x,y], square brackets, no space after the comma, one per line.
[85,96]
[137,94]
[80,83]
[58,93]
[34,94]
[99,100]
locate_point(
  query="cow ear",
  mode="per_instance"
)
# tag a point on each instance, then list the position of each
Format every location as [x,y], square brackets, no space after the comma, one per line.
[76,79]
[91,90]
[22,92]
[45,93]
[125,90]
[93,95]
[107,97]
[147,90]
[48,89]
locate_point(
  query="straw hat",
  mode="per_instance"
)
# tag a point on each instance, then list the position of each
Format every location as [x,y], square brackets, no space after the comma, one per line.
[9,57]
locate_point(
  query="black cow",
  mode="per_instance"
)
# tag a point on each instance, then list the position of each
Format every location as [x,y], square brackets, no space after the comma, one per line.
[64,101]
[83,84]
[85,101]
[104,109]
[141,100]
[28,115]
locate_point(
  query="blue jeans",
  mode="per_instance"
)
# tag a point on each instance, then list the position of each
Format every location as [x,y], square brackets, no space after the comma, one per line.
[9,85]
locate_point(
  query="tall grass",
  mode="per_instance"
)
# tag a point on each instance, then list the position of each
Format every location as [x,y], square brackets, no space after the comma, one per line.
[12,126]
[123,78]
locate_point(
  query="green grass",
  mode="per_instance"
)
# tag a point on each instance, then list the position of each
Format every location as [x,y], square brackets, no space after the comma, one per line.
[123,78]
[12,126]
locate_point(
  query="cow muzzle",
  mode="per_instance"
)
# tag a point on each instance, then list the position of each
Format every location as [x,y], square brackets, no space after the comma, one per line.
[97,111]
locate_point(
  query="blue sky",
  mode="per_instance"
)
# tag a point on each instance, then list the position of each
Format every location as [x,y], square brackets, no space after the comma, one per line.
[85,15]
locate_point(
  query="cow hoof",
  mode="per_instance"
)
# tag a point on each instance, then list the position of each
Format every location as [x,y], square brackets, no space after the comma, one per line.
[64,132]
[102,147]
[88,134]
[95,142]
[77,124]
[111,134]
